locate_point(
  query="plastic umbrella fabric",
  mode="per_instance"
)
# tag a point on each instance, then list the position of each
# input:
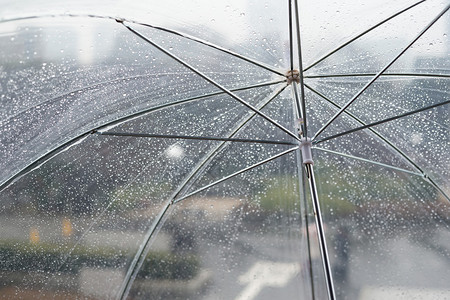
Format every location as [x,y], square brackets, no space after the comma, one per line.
[224,150]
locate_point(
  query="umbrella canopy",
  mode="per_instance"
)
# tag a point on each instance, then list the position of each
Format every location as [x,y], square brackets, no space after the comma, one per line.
[224,149]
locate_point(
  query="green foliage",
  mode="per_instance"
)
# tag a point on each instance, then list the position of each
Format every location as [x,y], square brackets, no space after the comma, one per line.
[59,187]
[44,257]
[169,266]
[282,193]
[278,193]
[51,258]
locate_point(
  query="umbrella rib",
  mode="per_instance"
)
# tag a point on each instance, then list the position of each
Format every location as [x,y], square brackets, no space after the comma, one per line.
[383,75]
[380,122]
[370,161]
[379,135]
[142,252]
[433,183]
[362,34]
[221,145]
[423,175]
[422,117]
[190,137]
[124,79]
[380,72]
[227,51]
[183,101]
[40,160]
[179,102]
[189,37]
[362,123]
[208,79]
[135,268]
[235,174]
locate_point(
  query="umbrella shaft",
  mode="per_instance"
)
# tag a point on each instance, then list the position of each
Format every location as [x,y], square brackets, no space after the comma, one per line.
[320,232]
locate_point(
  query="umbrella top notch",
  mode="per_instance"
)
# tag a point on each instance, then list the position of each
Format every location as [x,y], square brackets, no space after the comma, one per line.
[293,76]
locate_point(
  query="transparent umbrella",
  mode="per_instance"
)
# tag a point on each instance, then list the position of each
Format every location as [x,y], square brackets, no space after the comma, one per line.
[224,150]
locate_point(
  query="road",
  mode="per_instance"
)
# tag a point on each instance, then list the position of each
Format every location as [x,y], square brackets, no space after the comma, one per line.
[399,267]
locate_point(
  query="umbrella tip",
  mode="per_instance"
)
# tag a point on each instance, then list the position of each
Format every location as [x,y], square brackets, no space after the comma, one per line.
[293,75]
